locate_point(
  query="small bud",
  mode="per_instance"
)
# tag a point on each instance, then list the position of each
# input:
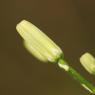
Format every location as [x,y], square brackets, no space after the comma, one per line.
[88,62]
[37,43]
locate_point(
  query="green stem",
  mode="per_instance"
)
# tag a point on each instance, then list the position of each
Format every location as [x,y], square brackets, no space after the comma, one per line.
[86,84]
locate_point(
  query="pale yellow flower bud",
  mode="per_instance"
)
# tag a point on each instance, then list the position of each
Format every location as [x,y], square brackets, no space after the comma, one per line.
[37,43]
[88,62]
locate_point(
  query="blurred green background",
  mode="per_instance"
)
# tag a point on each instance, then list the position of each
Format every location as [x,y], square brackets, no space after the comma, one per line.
[70,23]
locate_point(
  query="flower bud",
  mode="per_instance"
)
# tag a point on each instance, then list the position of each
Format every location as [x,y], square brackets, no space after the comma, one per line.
[37,43]
[88,62]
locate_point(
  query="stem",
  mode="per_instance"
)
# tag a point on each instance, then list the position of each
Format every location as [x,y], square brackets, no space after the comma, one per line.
[86,84]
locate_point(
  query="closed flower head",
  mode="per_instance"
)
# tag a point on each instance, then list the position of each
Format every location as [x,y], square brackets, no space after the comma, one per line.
[88,62]
[37,43]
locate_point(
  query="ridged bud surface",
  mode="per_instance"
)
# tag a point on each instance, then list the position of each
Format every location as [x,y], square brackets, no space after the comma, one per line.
[37,43]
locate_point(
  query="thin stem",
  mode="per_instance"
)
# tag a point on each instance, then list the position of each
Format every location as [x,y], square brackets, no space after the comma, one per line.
[86,84]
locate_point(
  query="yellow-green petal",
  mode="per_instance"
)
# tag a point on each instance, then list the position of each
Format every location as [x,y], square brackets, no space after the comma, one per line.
[33,50]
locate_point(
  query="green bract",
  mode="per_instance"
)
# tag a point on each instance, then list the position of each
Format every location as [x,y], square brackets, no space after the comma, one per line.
[88,62]
[37,43]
